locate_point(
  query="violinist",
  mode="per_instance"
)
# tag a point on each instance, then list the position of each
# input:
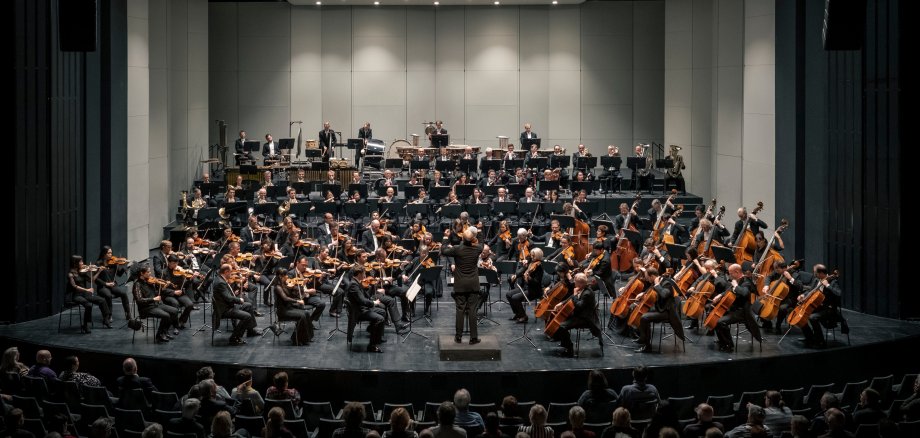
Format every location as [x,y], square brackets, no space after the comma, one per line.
[192,261]
[308,292]
[159,258]
[366,309]
[394,251]
[754,224]
[291,248]
[106,285]
[740,311]
[416,231]
[349,251]
[287,227]
[827,314]
[564,255]
[264,264]
[707,228]
[521,246]
[228,306]
[327,225]
[664,309]
[174,293]
[226,237]
[603,236]
[584,315]
[80,291]
[529,277]
[414,268]
[334,242]
[290,307]
[373,236]
[252,234]
[244,285]
[781,273]
[390,279]
[150,304]
[552,237]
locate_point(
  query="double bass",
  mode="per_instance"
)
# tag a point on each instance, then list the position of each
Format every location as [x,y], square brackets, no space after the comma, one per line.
[708,213]
[622,256]
[658,229]
[765,264]
[813,299]
[705,248]
[745,244]
[580,235]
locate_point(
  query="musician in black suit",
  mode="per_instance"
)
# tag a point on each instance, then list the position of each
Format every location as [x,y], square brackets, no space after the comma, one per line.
[781,272]
[599,262]
[439,128]
[583,316]
[466,283]
[530,280]
[828,313]
[327,141]
[365,309]
[754,223]
[159,258]
[149,303]
[175,294]
[663,310]
[270,149]
[528,134]
[740,310]
[548,239]
[241,153]
[364,133]
[226,307]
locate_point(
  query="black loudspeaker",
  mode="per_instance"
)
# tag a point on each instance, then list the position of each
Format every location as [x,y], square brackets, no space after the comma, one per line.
[77,25]
[844,24]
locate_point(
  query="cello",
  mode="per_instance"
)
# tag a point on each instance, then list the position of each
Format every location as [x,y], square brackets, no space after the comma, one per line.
[745,244]
[554,296]
[813,299]
[658,229]
[620,306]
[694,306]
[719,309]
[775,295]
[622,256]
[645,304]
[553,325]
[769,256]
[686,276]
[705,248]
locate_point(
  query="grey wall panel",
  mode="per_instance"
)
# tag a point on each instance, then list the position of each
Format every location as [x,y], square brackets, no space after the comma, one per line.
[420,100]
[449,98]
[607,52]
[701,116]
[648,45]
[730,32]
[648,111]
[700,158]
[565,38]
[534,101]
[607,87]
[336,39]
[727,173]
[264,19]
[306,38]
[492,52]
[387,121]
[489,21]
[306,99]
[449,38]
[260,120]
[564,104]
[377,53]
[265,88]
[379,22]
[337,98]
[729,114]
[599,121]
[264,53]
[534,38]
[379,88]
[604,18]
[420,38]
[484,123]
[223,101]
[491,88]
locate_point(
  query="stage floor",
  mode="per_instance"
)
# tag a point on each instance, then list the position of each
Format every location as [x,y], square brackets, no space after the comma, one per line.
[420,354]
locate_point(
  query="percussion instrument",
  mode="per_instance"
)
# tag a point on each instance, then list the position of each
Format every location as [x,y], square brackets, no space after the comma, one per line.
[415,140]
[374,147]
[312,144]
[502,142]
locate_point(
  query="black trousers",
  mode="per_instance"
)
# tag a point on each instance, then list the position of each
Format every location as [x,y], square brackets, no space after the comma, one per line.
[375,324]
[564,334]
[87,300]
[817,321]
[399,292]
[516,301]
[303,331]
[168,316]
[242,321]
[182,303]
[108,294]
[678,182]
[645,325]
[388,304]
[467,303]
[318,305]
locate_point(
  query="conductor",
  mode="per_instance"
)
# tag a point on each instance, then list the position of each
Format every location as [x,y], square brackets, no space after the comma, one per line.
[466,282]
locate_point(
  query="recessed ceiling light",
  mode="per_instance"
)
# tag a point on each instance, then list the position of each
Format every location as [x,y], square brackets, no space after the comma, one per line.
[376,3]
[318,3]
[496,3]
[437,3]
[555,2]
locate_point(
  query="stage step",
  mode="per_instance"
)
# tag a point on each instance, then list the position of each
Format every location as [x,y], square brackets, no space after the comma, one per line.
[487,350]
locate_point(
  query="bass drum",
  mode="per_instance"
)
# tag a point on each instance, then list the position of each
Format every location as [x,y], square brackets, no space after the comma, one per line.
[375,147]
[393,150]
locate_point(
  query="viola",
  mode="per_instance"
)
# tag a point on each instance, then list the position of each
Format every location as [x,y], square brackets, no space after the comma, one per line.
[187,273]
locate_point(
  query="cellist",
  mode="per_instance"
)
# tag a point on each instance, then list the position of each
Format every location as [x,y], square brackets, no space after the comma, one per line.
[827,314]
[781,273]
[740,310]
[664,308]
[761,241]
[719,283]
[651,251]
[584,316]
[706,229]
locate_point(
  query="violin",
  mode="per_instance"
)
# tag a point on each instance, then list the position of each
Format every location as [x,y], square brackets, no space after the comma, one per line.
[233,238]
[428,262]
[305,242]
[418,235]
[112,261]
[187,273]
[244,257]
[294,282]
[201,242]
[505,235]
[530,269]
[557,235]
[157,282]
[368,281]
[523,250]
[89,268]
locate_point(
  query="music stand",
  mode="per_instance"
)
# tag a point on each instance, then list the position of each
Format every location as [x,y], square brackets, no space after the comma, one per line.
[333,294]
[634,164]
[451,211]
[419,164]
[430,275]
[439,193]
[547,185]
[411,191]
[490,164]
[491,190]
[524,334]
[560,161]
[588,207]
[611,163]
[418,209]
[360,188]
[528,208]
[439,140]
[464,190]
[393,163]
[336,190]
[469,166]
[585,163]
[318,165]
[356,209]
[723,254]
[517,189]
[300,209]
[478,210]
[506,207]
[552,208]
[677,252]
[538,163]
[325,207]
[577,186]
[210,189]
[527,142]
[250,146]
[598,222]
[270,209]
[514,164]
[664,163]
[301,188]
[445,166]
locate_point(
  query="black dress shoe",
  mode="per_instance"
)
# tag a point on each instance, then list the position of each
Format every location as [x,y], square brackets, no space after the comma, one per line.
[645,348]
[383,340]
[106,324]
[196,308]
[458,339]
[521,320]
[513,318]
[334,314]
[85,329]
[475,341]
[176,331]
[567,352]
[161,340]
[374,349]
[257,313]
[237,341]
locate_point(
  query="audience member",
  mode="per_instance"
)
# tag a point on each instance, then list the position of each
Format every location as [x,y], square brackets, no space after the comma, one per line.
[207,372]
[245,391]
[836,425]
[353,415]
[638,392]
[538,427]
[869,410]
[665,416]
[910,409]
[493,427]
[668,432]
[510,413]
[14,421]
[778,417]
[714,433]
[154,430]
[11,364]
[465,417]
[799,426]
[599,400]
[704,414]
[447,412]
[754,427]
[70,373]
[577,423]
[399,425]
[621,426]
[222,427]
[187,424]
[819,421]
[131,381]
[101,428]
[42,367]
[210,404]
[274,428]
